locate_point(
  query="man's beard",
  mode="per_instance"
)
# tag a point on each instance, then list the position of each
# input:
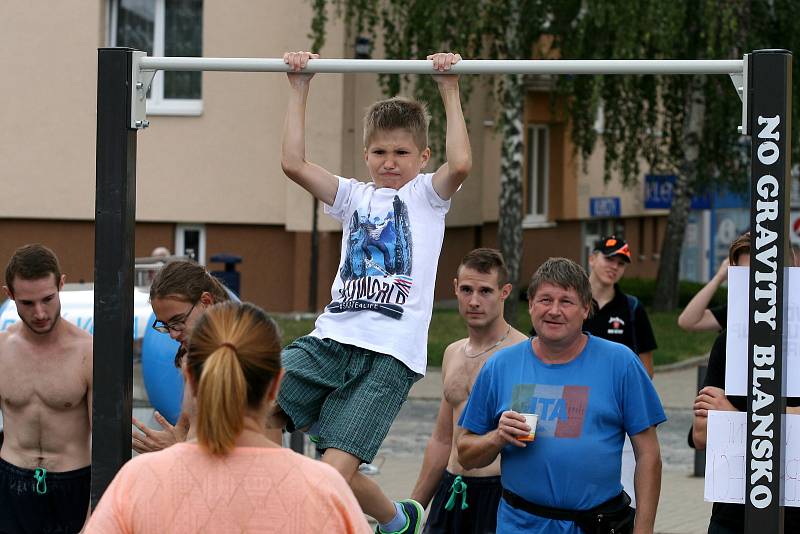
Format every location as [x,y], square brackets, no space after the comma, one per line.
[56,318]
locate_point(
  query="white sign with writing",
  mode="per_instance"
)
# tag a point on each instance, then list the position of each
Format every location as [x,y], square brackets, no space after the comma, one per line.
[739,324]
[791,472]
[77,307]
[726,444]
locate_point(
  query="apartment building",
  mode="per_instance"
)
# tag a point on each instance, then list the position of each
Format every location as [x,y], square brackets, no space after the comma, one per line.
[209,179]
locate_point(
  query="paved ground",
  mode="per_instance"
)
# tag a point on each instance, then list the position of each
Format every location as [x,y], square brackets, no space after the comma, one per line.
[681,508]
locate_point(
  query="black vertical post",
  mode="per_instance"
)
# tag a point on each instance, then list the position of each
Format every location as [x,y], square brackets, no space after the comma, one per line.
[115,204]
[770,84]
[313,276]
[700,455]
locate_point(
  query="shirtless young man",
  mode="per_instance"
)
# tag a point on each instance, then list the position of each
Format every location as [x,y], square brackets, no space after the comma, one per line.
[481,287]
[46,401]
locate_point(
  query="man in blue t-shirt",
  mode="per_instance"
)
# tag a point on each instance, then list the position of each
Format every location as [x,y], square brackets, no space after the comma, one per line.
[588,393]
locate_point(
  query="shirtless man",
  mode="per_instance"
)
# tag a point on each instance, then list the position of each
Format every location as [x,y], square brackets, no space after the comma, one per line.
[46,401]
[481,287]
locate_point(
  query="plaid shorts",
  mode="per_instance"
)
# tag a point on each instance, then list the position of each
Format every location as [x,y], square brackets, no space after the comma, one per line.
[353,393]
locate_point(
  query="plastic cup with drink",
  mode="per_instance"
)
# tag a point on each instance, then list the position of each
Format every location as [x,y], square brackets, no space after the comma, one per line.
[531,419]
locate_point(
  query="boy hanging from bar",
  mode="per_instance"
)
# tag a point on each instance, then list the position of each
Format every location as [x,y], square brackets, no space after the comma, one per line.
[354,371]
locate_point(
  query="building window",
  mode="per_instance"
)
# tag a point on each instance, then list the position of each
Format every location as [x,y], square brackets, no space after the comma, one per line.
[163,28]
[537,164]
[190,241]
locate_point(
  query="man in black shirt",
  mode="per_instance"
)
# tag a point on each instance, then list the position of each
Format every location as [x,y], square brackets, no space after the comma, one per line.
[617,316]
[728,518]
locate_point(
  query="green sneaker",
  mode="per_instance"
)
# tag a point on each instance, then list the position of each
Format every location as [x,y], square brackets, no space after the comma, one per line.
[415,516]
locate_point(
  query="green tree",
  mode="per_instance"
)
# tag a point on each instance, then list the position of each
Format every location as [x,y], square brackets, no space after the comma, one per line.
[683,124]
[676,124]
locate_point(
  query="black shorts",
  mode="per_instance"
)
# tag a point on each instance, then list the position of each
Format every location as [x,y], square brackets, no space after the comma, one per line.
[480,515]
[42,503]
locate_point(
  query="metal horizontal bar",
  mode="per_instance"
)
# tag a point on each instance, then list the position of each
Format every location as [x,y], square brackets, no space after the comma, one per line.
[467,66]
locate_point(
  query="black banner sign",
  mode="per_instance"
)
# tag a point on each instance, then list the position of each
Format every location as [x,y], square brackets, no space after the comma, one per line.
[769,85]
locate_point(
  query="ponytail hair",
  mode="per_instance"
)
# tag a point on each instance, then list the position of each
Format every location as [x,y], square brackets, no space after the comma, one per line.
[222,396]
[233,356]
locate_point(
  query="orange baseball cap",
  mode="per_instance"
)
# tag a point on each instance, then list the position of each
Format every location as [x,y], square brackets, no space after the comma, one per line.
[614,246]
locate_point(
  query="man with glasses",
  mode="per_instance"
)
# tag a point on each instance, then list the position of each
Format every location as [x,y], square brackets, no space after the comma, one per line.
[180,293]
[46,401]
[151,440]
[175,325]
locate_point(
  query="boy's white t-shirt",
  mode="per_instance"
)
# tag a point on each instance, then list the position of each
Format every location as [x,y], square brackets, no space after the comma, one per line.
[382,296]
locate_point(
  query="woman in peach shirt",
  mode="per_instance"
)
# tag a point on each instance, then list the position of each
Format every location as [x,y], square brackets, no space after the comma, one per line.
[232,478]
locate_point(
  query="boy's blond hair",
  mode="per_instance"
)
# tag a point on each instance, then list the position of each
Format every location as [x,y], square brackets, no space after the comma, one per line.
[398,113]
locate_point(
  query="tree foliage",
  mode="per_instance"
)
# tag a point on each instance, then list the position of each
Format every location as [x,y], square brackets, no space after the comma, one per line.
[684,124]
[644,116]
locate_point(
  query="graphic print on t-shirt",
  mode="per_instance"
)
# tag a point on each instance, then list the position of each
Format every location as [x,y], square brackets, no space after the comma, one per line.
[376,273]
[561,409]
[615,325]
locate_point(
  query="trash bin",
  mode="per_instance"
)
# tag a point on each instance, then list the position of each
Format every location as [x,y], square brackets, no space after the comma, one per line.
[230,277]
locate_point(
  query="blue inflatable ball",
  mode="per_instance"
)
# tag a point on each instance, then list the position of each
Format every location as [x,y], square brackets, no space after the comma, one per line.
[162,380]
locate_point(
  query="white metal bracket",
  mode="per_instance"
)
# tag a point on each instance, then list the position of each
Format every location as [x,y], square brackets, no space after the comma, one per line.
[739,80]
[141,80]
